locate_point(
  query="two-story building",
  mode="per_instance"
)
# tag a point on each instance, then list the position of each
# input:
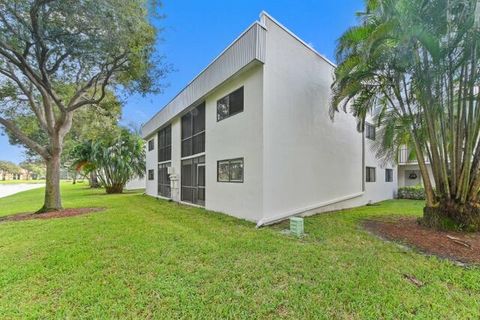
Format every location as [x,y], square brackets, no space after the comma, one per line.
[251,135]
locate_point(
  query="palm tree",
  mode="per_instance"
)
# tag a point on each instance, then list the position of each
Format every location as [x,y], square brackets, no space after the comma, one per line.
[114,159]
[418,62]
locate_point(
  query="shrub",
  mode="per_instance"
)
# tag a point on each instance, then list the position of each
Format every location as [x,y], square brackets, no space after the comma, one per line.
[413,193]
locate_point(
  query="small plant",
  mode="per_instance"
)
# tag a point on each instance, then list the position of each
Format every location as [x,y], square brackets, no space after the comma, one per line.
[412,193]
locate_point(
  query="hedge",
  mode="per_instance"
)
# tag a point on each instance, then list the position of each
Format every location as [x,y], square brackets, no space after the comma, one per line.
[413,193]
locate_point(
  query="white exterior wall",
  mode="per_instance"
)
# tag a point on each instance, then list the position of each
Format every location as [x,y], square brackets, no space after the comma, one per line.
[311,164]
[152,161]
[176,162]
[238,136]
[136,183]
[380,189]
[296,160]
[308,159]
[404,171]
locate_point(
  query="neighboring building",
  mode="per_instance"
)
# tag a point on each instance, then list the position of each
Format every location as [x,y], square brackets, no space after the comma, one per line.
[251,136]
[136,183]
[408,170]
[21,174]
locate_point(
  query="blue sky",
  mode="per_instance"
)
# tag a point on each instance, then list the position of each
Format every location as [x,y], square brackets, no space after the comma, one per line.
[195,32]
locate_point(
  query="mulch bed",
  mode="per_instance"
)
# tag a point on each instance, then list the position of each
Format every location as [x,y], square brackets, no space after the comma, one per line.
[460,247]
[50,215]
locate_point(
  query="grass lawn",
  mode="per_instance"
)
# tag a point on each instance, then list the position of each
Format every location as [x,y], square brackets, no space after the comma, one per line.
[21,181]
[147,258]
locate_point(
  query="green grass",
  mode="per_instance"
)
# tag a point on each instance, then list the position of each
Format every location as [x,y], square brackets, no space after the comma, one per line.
[21,181]
[147,258]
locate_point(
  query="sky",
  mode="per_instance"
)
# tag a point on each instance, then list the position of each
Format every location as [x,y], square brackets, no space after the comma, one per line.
[195,32]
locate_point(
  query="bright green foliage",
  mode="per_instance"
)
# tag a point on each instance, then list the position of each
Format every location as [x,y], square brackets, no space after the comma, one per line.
[416,64]
[7,167]
[413,193]
[57,57]
[115,158]
[147,258]
[35,170]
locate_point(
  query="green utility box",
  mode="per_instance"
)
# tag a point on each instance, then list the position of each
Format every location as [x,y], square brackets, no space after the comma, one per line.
[296,226]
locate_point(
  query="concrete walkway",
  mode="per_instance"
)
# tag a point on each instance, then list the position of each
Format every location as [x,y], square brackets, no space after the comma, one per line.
[9,189]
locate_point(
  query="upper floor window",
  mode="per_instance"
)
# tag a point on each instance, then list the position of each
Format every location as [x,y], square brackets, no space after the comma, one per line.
[370,131]
[230,104]
[230,170]
[388,175]
[193,131]
[165,144]
[150,145]
[370,174]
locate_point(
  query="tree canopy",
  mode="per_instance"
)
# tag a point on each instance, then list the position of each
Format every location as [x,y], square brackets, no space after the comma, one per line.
[416,63]
[115,158]
[57,56]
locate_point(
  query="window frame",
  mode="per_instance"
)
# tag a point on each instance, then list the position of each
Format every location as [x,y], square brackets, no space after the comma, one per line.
[193,134]
[229,170]
[368,176]
[151,144]
[167,184]
[369,130]
[388,175]
[228,95]
[189,181]
[162,134]
[152,176]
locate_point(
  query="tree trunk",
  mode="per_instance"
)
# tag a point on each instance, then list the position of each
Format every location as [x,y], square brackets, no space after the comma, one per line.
[93,180]
[452,215]
[116,188]
[53,201]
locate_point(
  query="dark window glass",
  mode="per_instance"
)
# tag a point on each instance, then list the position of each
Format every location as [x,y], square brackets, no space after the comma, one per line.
[187,125]
[370,131]
[151,145]
[230,104]
[151,175]
[388,175]
[193,131]
[199,143]
[187,147]
[198,119]
[230,170]
[223,171]
[370,174]
[165,144]
[201,175]
[193,180]
[164,180]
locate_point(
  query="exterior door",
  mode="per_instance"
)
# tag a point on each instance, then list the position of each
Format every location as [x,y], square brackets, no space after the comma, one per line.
[193,180]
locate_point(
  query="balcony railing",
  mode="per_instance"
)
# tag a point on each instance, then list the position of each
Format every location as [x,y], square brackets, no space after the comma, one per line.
[405,158]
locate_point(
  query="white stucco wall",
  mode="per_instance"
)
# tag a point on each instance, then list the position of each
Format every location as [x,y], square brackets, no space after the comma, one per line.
[404,171]
[308,159]
[136,183]
[380,189]
[296,160]
[235,137]
[152,157]
[239,136]
[311,164]
[176,162]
